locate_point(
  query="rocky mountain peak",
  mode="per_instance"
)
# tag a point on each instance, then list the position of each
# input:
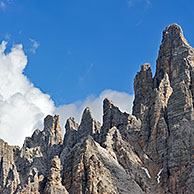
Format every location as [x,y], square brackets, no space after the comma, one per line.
[143,86]
[145,67]
[52,123]
[175,56]
[168,105]
[71,125]
[111,114]
[174,34]
[148,152]
[87,115]
[88,125]
[107,104]
[52,130]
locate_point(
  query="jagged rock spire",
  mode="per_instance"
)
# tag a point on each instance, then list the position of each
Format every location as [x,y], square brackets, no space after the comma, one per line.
[71,132]
[75,132]
[175,56]
[143,88]
[52,123]
[112,116]
[168,115]
[52,130]
[152,154]
[88,126]
[71,125]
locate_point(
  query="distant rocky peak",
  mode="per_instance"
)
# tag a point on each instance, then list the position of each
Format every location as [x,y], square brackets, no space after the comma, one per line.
[87,115]
[143,86]
[52,130]
[107,104]
[114,117]
[109,108]
[149,152]
[89,125]
[71,125]
[174,77]
[52,123]
[145,67]
[174,34]
[175,56]
[70,137]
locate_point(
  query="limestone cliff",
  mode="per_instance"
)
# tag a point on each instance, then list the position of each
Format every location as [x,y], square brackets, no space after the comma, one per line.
[167,131]
[150,151]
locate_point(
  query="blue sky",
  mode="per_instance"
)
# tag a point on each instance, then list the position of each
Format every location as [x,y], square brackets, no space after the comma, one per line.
[90,45]
[57,57]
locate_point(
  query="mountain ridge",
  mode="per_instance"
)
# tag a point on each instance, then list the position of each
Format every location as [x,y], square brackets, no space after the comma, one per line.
[148,151]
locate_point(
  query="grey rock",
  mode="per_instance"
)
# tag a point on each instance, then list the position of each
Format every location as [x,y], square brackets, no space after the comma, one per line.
[9,177]
[54,185]
[150,151]
[166,134]
[143,86]
[94,170]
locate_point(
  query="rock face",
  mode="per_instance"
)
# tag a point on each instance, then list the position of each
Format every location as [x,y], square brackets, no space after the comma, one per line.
[53,185]
[143,90]
[150,151]
[167,125]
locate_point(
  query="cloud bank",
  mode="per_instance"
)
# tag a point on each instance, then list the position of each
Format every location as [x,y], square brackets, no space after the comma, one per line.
[23,106]
[2,4]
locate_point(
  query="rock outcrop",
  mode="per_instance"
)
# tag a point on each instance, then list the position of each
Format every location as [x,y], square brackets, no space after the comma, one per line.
[167,126]
[54,185]
[150,151]
[143,85]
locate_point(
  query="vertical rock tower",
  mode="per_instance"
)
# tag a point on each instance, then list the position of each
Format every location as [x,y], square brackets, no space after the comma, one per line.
[165,106]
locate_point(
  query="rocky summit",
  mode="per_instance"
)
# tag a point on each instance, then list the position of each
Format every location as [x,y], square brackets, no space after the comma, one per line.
[150,151]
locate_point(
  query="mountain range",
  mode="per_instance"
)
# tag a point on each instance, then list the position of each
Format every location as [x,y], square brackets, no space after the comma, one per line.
[150,151]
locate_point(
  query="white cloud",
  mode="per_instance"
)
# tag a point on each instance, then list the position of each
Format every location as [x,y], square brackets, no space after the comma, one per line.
[121,99]
[5,3]
[2,4]
[35,45]
[22,106]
